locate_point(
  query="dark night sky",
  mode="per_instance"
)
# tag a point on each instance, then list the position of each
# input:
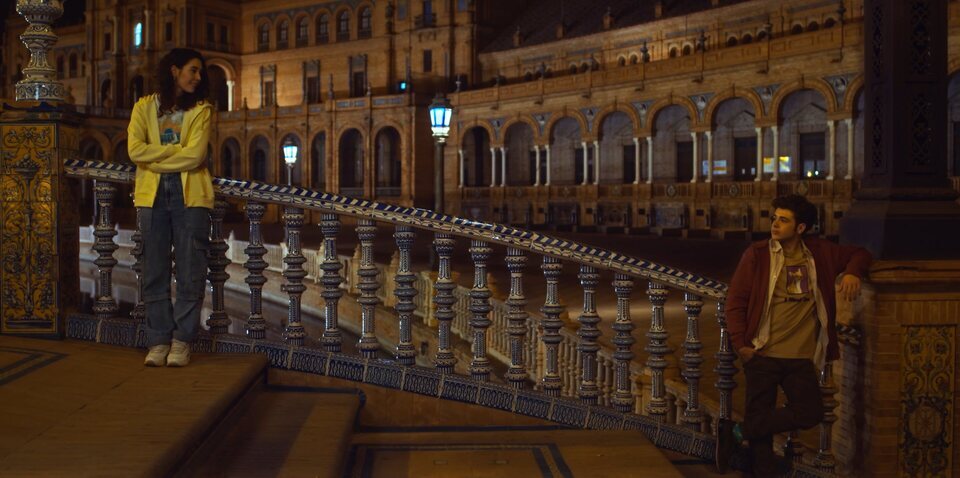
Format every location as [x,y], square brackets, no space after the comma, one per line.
[72,12]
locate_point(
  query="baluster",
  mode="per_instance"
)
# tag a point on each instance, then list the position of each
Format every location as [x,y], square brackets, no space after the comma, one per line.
[551,325]
[218,321]
[405,292]
[692,416]
[480,308]
[657,349]
[517,317]
[294,332]
[725,369]
[623,339]
[793,448]
[824,459]
[368,285]
[331,339]
[255,265]
[444,300]
[105,306]
[139,312]
[588,334]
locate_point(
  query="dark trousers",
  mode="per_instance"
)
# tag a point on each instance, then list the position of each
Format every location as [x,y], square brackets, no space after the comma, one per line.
[804,409]
[187,229]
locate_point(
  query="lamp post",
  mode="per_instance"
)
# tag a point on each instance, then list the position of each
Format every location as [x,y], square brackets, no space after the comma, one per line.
[290,151]
[440,112]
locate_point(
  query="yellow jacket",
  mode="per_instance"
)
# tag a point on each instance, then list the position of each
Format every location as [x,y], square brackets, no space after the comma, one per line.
[187,158]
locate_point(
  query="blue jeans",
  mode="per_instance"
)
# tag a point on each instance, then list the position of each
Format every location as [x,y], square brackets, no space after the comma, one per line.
[187,229]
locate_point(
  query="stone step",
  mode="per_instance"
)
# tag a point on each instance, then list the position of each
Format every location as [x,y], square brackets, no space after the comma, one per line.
[281,431]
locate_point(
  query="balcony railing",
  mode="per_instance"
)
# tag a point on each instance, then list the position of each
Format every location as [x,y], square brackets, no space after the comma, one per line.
[553,373]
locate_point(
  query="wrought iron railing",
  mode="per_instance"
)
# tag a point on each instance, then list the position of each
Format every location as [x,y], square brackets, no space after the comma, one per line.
[553,372]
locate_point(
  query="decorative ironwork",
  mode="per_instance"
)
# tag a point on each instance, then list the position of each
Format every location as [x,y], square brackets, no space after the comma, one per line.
[444,301]
[588,333]
[921,38]
[657,349]
[255,265]
[480,308]
[294,332]
[927,384]
[105,306]
[218,322]
[517,317]
[139,312]
[725,368]
[405,293]
[331,339]
[623,400]
[368,345]
[692,358]
[40,77]
[551,323]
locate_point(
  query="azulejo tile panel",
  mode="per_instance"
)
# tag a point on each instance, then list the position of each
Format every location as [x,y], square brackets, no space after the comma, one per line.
[927,378]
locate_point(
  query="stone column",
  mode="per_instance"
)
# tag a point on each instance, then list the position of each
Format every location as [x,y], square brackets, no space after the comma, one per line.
[230,86]
[849,123]
[586,157]
[636,160]
[709,156]
[696,156]
[503,165]
[596,162]
[460,171]
[148,28]
[776,152]
[547,147]
[759,154]
[649,159]
[832,149]
[536,164]
[493,167]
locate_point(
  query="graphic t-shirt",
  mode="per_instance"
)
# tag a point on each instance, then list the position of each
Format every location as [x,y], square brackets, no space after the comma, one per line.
[170,126]
[793,320]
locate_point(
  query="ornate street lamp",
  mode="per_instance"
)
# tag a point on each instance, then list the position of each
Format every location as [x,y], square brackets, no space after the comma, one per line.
[290,151]
[440,113]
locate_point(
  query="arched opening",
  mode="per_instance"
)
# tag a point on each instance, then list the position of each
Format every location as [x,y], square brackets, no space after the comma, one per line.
[566,153]
[747,39]
[813,26]
[734,141]
[106,96]
[521,157]
[476,158]
[672,145]
[303,31]
[634,59]
[323,29]
[283,34]
[343,26]
[732,41]
[263,37]
[318,162]
[61,67]
[803,136]
[230,158]
[573,69]
[673,52]
[217,79]
[622,61]
[618,163]
[351,163]
[388,164]
[761,35]
[73,65]
[687,49]
[136,89]
[796,29]
[295,175]
[365,29]
[829,23]
[259,160]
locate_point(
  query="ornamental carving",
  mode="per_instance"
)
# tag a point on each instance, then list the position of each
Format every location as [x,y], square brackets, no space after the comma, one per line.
[926,400]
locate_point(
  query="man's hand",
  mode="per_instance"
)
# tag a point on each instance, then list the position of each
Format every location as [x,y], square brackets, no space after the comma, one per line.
[746,353]
[849,287]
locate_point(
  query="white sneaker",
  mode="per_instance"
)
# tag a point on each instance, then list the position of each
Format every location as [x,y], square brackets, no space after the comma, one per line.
[157,356]
[179,354]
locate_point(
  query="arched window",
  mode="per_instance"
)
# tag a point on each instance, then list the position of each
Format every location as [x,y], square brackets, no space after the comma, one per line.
[634,59]
[829,23]
[365,30]
[138,35]
[797,29]
[747,38]
[573,69]
[673,52]
[622,61]
[761,35]
[813,26]
[283,30]
[343,26]
[732,41]
[73,65]
[303,27]
[687,50]
[263,37]
[60,68]
[323,29]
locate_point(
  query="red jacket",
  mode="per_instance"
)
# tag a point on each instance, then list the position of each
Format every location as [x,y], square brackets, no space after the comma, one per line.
[747,294]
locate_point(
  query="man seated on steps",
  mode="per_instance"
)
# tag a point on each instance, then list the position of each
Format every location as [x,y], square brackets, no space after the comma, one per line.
[781,314]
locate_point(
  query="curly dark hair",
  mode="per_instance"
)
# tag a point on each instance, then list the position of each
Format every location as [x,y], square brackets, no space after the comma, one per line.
[803,210]
[167,84]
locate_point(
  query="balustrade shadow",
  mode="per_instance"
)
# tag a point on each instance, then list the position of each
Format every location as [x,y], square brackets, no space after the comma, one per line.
[573,373]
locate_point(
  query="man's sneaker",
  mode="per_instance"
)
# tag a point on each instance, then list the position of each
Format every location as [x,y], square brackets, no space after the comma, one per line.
[179,354]
[157,356]
[727,444]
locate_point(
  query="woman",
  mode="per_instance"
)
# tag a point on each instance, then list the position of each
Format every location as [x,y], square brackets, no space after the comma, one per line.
[167,139]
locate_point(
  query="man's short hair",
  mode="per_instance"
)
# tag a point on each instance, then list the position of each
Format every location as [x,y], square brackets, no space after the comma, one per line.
[803,210]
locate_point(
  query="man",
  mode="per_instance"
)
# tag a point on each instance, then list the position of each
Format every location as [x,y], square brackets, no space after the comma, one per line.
[781,315]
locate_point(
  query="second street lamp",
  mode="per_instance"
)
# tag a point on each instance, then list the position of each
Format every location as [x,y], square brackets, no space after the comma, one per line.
[440,113]
[290,150]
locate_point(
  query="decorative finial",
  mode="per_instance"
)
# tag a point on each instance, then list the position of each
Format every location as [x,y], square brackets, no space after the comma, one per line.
[40,78]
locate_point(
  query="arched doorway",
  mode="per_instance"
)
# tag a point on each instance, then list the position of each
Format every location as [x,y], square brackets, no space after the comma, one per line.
[566,153]
[803,137]
[734,141]
[617,151]
[351,163]
[318,162]
[476,157]
[672,145]
[259,160]
[230,158]
[518,140]
[217,79]
[388,167]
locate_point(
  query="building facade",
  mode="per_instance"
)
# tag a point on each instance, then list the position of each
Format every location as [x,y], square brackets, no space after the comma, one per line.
[668,116]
